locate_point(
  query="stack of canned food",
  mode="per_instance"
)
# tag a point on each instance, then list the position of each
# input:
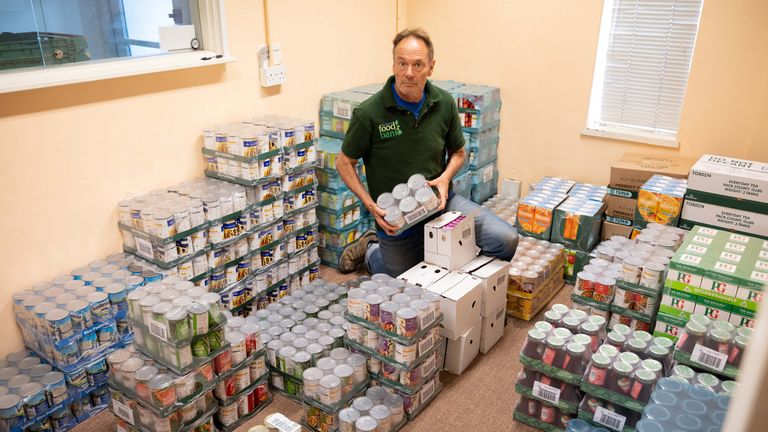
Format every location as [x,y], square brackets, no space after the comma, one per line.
[681,406]
[262,148]
[712,345]
[177,324]
[34,396]
[535,275]
[330,385]
[235,243]
[396,325]
[76,319]
[622,375]
[242,390]
[627,276]
[555,355]
[342,216]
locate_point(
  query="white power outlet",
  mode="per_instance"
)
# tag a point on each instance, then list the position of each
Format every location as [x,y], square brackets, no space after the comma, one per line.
[273,75]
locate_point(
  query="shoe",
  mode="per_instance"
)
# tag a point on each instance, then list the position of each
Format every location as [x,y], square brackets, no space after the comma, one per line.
[353,255]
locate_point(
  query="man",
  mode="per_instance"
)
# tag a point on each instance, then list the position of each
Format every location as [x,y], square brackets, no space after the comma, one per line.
[410,126]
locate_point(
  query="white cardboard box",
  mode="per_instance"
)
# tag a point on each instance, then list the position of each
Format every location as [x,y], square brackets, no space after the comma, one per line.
[697,213]
[492,329]
[735,178]
[449,240]
[460,304]
[494,274]
[460,352]
[423,274]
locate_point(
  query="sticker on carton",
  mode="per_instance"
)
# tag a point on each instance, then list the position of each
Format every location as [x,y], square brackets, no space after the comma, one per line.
[735,247]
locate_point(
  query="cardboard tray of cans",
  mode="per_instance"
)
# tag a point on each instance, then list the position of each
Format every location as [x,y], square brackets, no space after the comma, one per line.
[427,346]
[182,360]
[286,384]
[394,336]
[622,379]
[222,426]
[225,399]
[26,414]
[426,395]
[687,375]
[552,356]
[562,405]
[713,346]
[536,423]
[602,413]
[525,308]
[160,392]
[555,275]
[136,414]
[409,381]
[161,241]
[346,398]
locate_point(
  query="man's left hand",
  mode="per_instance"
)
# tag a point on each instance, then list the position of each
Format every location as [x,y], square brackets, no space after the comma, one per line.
[441,184]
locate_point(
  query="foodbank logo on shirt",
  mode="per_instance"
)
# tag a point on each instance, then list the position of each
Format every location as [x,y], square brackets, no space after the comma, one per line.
[390,130]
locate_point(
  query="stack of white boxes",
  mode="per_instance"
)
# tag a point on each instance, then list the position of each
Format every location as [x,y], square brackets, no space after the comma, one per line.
[473,288]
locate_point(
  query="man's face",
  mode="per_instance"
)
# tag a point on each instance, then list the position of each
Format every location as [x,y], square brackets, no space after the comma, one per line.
[412,66]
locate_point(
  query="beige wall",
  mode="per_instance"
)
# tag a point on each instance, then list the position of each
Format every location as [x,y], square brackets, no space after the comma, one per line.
[70,153]
[542,54]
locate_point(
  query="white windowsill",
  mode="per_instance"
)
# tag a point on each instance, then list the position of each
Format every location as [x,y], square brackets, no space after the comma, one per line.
[633,136]
[84,72]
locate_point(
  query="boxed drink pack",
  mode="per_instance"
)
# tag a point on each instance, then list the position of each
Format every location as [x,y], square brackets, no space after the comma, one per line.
[535,213]
[629,173]
[660,201]
[576,223]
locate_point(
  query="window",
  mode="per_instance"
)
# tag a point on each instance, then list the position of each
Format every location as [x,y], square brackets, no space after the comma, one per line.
[51,42]
[641,69]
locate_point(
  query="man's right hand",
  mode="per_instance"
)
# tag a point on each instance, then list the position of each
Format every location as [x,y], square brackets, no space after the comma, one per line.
[378,214]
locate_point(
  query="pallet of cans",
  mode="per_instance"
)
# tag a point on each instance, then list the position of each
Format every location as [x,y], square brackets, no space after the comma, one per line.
[713,346]
[676,405]
[535,276]
[715,273]
[179,326]
[331,385]
[259,150]
[619,380]
[409,203]
[76,319]
[242,390]
[378,409]
[36,396]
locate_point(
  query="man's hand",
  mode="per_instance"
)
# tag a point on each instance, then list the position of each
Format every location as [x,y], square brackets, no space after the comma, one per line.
[378,214]
[441,183]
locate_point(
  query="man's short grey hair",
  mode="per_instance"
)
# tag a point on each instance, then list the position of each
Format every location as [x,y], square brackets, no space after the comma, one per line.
[418,33]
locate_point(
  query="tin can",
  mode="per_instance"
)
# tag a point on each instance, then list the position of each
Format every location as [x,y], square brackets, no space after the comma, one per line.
[407,322]
[59,324]
[228,414]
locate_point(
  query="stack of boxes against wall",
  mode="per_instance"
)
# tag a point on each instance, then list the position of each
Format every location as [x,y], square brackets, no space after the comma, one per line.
[345,218]
[472,290]
[479,116]
[72,323]
[188,369]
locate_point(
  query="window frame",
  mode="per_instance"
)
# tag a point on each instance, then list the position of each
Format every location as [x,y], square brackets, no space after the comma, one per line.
[212,30]
[592,127]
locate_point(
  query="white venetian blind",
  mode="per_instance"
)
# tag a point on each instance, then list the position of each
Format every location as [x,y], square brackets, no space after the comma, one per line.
[641,71]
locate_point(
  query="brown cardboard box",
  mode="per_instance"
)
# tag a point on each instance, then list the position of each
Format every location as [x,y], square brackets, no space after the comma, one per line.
[610,229]
[632,170]
[621,208]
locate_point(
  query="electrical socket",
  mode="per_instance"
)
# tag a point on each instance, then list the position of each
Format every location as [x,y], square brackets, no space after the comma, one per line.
[273,75]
